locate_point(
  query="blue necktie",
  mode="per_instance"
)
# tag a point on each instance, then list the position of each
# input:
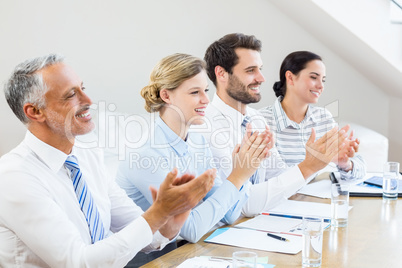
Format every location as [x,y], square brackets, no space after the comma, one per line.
[85,199]
[246,120]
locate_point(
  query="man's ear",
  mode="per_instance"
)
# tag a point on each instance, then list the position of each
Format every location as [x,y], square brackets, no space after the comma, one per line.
[289,77]
[33,112]
[220,73]
[165,95]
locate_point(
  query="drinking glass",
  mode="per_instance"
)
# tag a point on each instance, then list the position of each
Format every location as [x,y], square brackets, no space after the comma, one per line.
[339,204]
[244,259]
[390,180]
[312,241]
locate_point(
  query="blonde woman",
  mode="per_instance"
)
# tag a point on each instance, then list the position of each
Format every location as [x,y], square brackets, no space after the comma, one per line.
[178,91]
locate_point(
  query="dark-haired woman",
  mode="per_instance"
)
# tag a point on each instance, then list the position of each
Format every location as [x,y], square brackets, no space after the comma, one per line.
[292,117]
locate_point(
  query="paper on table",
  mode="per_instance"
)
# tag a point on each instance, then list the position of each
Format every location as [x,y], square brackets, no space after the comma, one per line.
[258,240]
[217,262]
[320,189]
[363,188]
[276,224]
[272,224]
[199,262]
[302,208]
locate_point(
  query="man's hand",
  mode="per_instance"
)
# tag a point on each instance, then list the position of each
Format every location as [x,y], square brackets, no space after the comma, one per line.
[320,152]
[247,157]
[177,195]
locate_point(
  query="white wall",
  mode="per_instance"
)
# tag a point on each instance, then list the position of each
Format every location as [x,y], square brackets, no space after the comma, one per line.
[395,130]
[113,45]
[370,21]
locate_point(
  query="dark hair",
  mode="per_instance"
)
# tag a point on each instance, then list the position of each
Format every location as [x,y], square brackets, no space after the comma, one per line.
[294,62]
[222,52]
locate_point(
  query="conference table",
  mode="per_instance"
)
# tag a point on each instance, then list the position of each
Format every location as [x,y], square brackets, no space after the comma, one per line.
[372,238]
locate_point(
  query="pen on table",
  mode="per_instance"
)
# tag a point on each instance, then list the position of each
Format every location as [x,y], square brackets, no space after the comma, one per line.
[289,216]
[282,215]
[278,237]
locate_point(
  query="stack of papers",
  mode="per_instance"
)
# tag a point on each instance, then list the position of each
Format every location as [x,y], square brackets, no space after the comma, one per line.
[371,187]
[359,187]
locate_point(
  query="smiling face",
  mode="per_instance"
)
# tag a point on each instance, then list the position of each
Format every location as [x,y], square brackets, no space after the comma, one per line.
[190,99]
[244,83]
[308,85]
[66,112]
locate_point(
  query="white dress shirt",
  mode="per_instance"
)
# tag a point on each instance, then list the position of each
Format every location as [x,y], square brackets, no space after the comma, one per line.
[222,130]
[41,223]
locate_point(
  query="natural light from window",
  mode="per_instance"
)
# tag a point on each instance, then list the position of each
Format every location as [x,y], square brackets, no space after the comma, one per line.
[396,11]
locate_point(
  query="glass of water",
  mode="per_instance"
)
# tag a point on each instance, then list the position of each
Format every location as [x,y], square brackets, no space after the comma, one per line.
[390,180]
[244,259]
[312,241]
[339,204]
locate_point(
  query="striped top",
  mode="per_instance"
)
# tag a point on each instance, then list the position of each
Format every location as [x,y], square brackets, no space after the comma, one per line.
[291,137]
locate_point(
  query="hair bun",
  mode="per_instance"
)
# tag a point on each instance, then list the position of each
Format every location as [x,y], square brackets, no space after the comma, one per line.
[278,88]
[152,99]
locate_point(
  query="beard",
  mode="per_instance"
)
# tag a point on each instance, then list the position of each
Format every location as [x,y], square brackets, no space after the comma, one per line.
[238,91]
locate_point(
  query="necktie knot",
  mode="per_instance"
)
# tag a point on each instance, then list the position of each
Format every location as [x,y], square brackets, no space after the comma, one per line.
[72,160]
[72,163]
[246,120]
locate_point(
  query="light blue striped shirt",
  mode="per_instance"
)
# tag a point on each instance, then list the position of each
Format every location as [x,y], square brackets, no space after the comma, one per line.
[291,137]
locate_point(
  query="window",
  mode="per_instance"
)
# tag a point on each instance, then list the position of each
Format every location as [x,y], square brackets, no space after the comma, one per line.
[396,11]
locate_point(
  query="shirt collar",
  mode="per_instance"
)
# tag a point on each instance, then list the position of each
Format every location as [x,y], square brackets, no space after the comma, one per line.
[228,111]
[283,120]
[177,143]
[310,115]
[49,155]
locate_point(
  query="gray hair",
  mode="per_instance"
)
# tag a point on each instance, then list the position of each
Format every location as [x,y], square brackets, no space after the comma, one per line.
[26,84]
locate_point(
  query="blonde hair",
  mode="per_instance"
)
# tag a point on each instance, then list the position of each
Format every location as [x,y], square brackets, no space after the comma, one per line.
[169,73]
